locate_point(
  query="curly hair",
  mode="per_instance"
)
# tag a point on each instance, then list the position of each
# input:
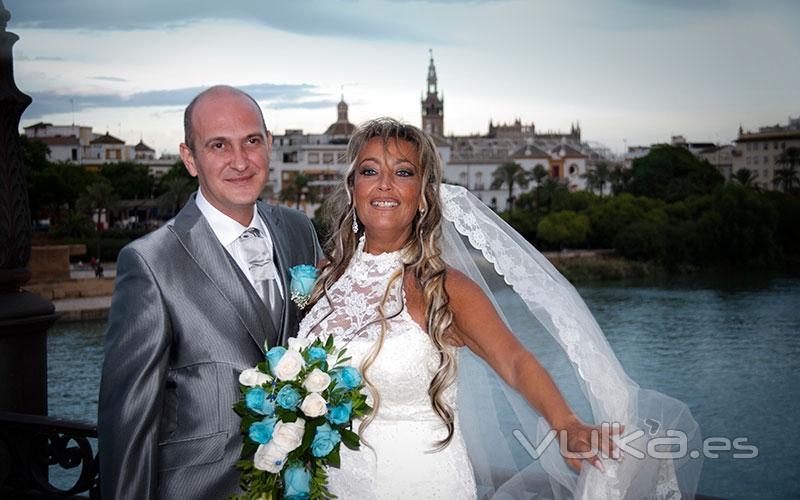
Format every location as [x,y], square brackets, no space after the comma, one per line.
[421,257]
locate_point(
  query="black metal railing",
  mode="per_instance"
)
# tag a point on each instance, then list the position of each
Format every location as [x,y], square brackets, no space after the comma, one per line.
[31,444]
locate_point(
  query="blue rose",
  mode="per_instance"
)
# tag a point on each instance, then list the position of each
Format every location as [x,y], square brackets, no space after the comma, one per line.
[303,279]
[324,441]
[348,377]
[288,398]
[255,398]
[317,353]
[340,414]
[261,432]
[296,483]
[273,356]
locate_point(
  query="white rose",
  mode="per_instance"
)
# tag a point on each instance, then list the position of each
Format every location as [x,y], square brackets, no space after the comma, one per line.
[289,366]
[269,457]
[296,344]
[314,405]
[288,435]
[253,377]
[317,381]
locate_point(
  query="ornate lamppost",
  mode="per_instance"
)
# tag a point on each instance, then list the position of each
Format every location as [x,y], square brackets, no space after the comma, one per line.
[24,317]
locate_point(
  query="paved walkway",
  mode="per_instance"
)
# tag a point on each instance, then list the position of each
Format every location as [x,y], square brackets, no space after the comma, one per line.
[83,308]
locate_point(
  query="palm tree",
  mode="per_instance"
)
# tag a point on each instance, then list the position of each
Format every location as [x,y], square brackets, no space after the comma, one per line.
[603,174]
[787,176]
[744,177]
[177,191]
[619,178]
[297,189]
[97,197]
[592,181]
[510,174]
[539,174]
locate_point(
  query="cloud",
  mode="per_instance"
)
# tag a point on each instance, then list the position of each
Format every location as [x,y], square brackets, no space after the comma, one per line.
[23,57]
[269,95]
[335,18]
[109,78]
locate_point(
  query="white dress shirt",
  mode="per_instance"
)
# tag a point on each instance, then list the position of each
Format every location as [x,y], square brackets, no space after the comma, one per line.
[228,231]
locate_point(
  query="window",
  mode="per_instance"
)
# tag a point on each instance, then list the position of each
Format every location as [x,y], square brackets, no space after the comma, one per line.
[766,173]
[74,154]
[313,157]
[766,146]
[573,169]
[479,181]
[748,146]
[462,179]
[327,157]
[755,160]
[766,160]
[774,145]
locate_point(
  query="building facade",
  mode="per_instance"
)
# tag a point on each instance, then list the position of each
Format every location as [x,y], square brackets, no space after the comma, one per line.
[469,160]
[80,145]
[760,151]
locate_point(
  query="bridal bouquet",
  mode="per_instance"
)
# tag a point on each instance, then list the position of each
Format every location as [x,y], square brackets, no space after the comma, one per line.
[297,407]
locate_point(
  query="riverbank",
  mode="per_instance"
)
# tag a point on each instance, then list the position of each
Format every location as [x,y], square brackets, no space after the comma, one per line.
[84,297]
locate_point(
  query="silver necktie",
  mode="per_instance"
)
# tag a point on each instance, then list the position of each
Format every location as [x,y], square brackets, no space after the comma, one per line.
[262,268]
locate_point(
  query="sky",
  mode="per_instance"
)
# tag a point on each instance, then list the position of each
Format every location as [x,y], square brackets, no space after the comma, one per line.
[632,72]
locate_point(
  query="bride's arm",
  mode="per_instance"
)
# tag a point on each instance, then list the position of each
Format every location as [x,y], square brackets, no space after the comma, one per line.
[478,326]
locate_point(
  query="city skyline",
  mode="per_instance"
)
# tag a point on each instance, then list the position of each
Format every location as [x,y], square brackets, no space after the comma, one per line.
[630,71]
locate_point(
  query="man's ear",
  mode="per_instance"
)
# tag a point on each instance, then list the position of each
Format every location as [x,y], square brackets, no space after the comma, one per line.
[188,159]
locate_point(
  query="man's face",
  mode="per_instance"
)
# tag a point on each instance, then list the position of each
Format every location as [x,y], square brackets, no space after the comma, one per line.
[230,155]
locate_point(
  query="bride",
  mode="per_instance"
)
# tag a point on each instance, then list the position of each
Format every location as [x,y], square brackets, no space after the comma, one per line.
[411,305]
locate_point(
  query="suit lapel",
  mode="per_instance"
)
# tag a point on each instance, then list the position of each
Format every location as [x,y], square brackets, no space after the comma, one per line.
[199,240]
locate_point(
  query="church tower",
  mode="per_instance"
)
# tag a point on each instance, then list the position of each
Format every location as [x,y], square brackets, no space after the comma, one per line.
[433,105]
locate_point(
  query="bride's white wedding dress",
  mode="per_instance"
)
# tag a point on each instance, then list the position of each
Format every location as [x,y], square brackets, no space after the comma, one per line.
[400,462]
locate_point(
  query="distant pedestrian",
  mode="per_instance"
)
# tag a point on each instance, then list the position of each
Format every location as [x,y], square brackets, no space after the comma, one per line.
[98,270]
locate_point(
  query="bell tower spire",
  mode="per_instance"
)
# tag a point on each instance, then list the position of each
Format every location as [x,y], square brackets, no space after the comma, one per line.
[433,103]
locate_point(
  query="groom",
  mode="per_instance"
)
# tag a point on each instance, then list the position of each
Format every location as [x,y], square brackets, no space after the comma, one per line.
[194,304]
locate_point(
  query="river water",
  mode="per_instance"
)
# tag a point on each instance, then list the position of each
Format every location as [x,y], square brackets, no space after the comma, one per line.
[728,346]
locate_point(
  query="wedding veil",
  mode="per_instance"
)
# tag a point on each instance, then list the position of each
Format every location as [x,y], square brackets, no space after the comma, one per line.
[506,437]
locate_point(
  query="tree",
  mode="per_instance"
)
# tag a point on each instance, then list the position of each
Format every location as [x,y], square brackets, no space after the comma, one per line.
[510,174]
[603,174]
[744,177]
[672,173]
[131,181]
[297,189]
[620,178]
[565,228]
[539,174]
[786,176]
[175,192]
[97,197]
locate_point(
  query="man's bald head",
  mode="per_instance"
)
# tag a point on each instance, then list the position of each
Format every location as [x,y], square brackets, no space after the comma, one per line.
[188,114]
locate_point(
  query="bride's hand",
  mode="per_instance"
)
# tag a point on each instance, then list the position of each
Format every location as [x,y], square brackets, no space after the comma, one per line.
[580,440]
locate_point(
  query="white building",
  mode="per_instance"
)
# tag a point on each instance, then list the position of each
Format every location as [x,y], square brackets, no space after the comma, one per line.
[759,151]
[469,161]
[78,144]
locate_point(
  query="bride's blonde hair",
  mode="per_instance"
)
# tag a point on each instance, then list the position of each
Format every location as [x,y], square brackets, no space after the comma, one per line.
[421,257]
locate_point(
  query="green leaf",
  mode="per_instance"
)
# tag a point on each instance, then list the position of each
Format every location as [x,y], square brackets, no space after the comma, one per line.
[349,438]
[333,457]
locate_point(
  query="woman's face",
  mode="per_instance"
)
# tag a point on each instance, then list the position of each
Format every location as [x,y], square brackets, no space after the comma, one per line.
[386,190]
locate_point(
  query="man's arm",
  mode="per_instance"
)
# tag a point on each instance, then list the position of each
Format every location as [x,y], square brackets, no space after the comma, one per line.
[132,387]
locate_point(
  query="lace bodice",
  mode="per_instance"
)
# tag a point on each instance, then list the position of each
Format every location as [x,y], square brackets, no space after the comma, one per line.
[356,297]
[398,463]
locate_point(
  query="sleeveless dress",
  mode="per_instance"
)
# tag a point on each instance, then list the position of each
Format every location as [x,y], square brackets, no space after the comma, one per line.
[401,462]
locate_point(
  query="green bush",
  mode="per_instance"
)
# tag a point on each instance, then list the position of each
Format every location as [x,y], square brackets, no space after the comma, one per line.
[562,229]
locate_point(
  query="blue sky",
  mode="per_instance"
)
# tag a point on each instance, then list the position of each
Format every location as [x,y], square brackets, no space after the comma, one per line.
[631,71]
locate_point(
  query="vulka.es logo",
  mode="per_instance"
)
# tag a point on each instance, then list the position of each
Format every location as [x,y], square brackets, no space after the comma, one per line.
[673,445]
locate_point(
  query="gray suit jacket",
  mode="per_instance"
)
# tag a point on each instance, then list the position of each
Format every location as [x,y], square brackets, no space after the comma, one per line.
[184,322]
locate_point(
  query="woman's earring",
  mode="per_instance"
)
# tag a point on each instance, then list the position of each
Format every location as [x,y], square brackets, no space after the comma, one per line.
[422,211]
[355,222]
